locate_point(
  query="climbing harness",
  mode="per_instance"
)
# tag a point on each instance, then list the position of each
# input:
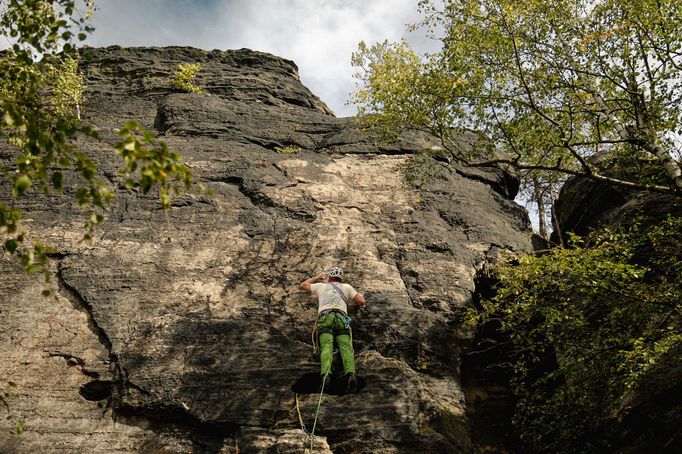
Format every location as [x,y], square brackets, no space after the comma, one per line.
[314,335]
[311,434]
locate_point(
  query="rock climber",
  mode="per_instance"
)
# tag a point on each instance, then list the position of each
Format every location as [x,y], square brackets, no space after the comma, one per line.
[333,323]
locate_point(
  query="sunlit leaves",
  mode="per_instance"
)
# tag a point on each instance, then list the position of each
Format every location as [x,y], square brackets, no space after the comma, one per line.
[67,88]
[149,162]
[551,82]
[184,78]
[41,93]
[21,185]
[406,90]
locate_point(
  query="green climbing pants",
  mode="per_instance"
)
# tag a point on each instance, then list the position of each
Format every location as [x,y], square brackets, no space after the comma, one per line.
[333,327]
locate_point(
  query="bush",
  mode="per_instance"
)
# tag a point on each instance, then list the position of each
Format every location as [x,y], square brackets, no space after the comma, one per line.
[590,324]
[184,78]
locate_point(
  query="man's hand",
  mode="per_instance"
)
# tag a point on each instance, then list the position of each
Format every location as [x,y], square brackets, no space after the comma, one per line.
[305,285]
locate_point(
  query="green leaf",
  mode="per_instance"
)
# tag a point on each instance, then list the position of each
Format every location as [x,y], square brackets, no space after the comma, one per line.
[58,181]
[11,246]
[8,118]
[22,184]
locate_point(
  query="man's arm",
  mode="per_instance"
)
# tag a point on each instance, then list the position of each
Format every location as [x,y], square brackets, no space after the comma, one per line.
[359,300]
[305,285]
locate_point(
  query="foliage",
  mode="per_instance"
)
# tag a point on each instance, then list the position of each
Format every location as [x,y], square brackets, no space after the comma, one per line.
[155,165]
[40,97]
[5,396]
[67,87]
[606,312]
[184,78]
[550,82]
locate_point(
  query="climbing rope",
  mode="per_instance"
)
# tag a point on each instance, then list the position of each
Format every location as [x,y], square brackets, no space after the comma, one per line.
[313,335]
[317,412]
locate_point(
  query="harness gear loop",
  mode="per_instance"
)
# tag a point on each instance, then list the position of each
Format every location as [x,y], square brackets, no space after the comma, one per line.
[315,335]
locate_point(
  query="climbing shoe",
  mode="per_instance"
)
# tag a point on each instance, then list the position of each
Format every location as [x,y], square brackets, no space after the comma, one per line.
[352,384]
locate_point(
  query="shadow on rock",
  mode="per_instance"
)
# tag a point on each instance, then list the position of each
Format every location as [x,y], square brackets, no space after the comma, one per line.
[310,384]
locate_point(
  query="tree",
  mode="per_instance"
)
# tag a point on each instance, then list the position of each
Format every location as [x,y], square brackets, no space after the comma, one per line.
[67,87]
[606,314]
[541,189]
[552,83]
[40,97]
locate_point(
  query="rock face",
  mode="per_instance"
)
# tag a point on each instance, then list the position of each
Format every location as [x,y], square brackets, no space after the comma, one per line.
[585,205]
[184,331]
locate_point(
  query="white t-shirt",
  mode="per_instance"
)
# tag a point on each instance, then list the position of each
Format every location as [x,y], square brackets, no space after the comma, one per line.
[328,298]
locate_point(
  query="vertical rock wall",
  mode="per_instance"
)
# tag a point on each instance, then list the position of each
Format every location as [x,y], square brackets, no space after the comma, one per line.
[184,331]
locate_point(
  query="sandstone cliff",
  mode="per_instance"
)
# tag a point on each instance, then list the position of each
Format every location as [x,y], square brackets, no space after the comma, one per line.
[184,331]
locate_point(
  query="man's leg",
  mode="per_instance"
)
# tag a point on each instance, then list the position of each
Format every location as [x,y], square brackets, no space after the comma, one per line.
[326,353]
[346,351]
[325,328]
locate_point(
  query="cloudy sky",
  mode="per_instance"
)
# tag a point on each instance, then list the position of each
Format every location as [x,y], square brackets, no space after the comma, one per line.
[318,35]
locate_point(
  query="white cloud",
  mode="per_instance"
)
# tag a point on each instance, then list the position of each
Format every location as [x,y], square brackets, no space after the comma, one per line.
[319,36]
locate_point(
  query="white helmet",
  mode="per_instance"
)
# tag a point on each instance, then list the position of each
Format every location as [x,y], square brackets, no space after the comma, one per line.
[336,272]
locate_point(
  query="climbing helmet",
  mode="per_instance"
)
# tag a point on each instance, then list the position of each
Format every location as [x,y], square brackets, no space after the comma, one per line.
[336,272]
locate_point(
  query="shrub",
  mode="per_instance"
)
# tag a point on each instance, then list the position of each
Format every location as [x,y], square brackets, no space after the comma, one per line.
[184,78]
[590,325]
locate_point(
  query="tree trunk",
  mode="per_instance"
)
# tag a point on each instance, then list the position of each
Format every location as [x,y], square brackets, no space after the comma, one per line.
[540,202]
